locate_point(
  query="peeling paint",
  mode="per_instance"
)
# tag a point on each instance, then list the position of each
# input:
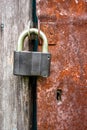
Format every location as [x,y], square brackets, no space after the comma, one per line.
[63,12]
[77,1]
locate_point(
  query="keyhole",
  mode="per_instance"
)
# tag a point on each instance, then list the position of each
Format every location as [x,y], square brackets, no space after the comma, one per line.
[59,93]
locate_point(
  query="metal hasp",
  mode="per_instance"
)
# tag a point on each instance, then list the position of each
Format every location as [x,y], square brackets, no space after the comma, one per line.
[29,63]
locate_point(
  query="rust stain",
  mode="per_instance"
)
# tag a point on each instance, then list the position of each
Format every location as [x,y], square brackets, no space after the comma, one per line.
[57,9]
[73,72]
[64,23]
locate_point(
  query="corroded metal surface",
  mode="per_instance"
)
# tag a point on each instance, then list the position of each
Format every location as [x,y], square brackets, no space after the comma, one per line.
[65,24]
[56,10]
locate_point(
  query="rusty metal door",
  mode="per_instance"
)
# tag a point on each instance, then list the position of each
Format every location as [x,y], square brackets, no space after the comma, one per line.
[62,97]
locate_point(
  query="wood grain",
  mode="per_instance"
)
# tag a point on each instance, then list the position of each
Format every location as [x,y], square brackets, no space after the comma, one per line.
[14,96]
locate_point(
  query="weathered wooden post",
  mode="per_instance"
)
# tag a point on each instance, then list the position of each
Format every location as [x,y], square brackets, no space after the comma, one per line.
[14,96]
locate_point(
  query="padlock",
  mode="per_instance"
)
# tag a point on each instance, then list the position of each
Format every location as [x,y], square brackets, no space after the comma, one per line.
[29,63]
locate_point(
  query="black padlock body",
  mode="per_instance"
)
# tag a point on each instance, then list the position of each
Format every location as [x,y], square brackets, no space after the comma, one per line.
[28,63]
